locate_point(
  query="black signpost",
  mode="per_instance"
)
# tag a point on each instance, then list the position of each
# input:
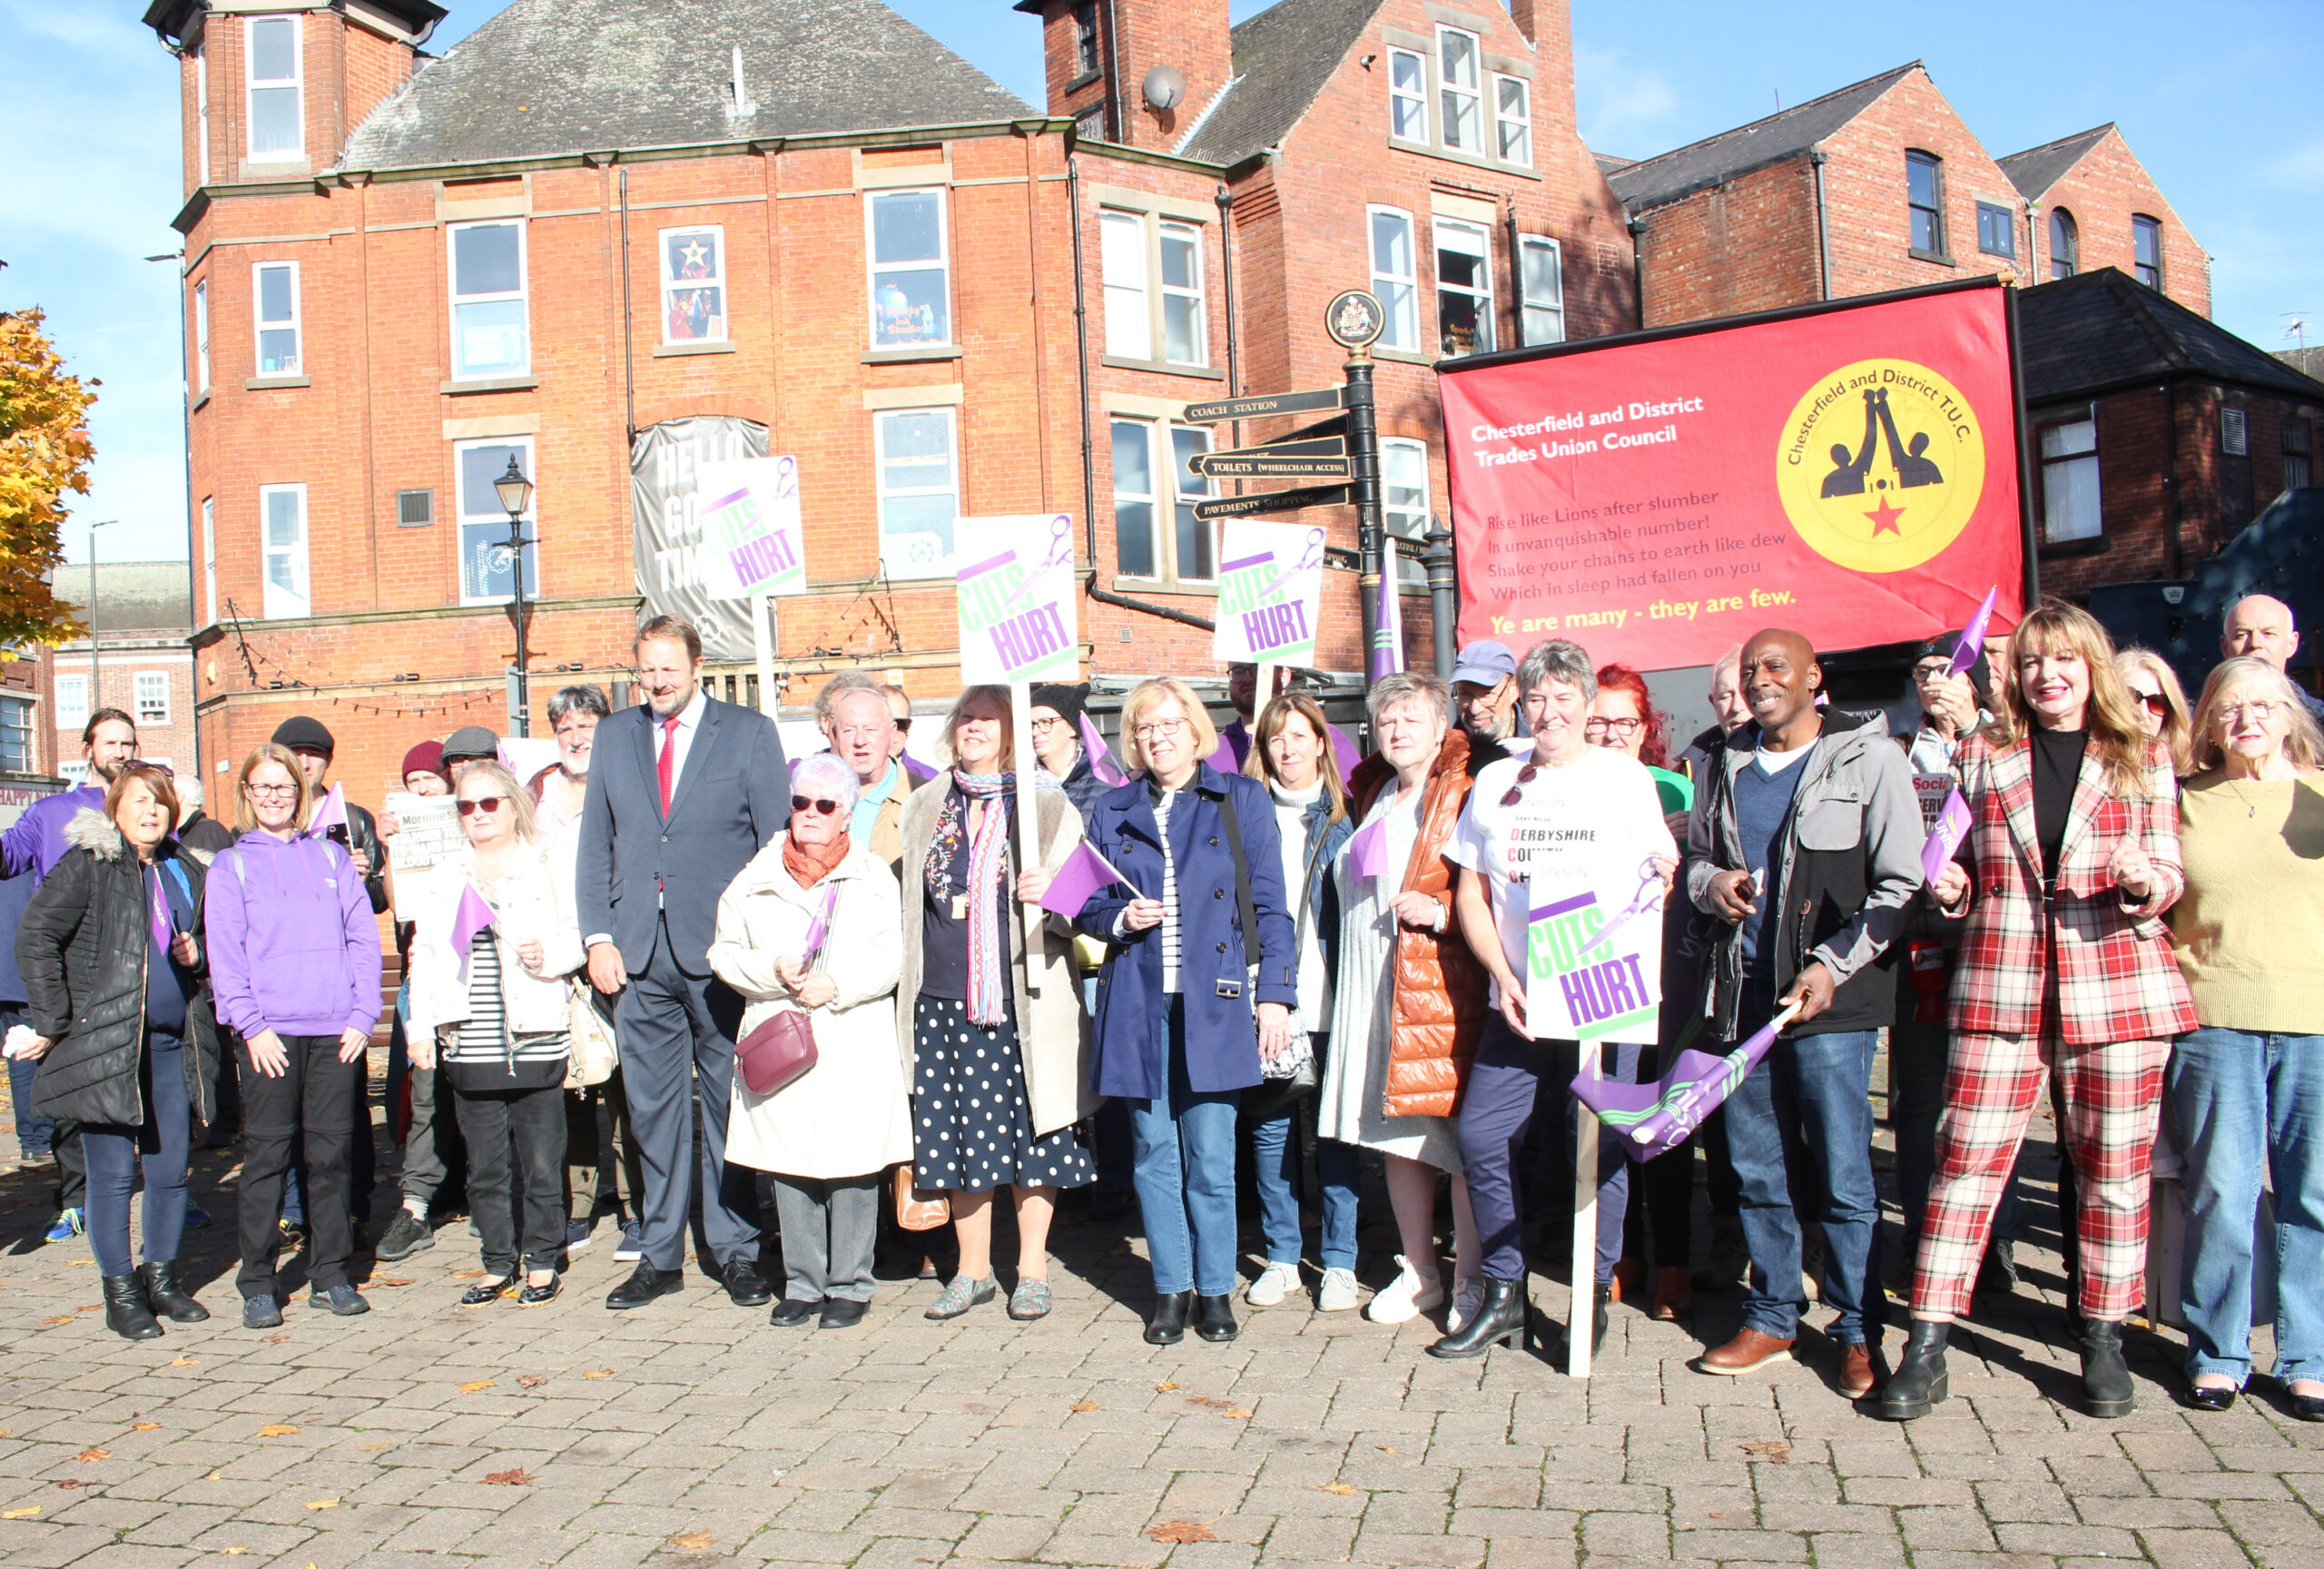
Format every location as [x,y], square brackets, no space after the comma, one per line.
[1261,406]
[1255,463]
[1270,501]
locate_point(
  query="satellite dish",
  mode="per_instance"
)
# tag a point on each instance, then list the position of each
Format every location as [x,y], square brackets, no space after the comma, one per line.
[1164,87]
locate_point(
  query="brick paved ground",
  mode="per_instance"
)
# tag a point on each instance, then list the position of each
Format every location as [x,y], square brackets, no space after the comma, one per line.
[692,1434]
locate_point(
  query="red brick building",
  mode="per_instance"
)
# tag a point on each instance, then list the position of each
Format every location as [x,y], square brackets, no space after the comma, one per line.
[814,231]
[143,666]
[2093,204]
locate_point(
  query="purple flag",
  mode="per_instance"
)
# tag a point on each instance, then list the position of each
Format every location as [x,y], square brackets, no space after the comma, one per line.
[1388,626]
[331,813]
[1973,637]
[1367,852]
[1657,1117]
[920,772]
[821,926]
[1084,873]
[1945,836]
[472,916]
[1100,755]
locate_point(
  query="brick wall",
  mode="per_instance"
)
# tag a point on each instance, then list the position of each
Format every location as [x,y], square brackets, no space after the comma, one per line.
[2102,192]
[1743,246]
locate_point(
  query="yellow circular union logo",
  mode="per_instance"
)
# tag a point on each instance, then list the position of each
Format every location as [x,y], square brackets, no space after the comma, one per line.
[1881,465]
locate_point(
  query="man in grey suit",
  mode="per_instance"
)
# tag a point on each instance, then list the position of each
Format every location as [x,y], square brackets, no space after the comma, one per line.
[682,792]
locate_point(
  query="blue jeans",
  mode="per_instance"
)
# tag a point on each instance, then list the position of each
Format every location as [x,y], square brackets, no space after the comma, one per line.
[2241,1099]
[34,1135]
[1803,1120]
[1185,1171]
[1275,1155]
[1506,1083]
[115,1155]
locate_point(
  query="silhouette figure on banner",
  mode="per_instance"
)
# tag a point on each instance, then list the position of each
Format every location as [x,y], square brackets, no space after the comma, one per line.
[1913,470]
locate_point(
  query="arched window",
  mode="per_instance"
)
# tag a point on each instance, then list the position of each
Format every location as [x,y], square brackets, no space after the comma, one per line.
[2065,243]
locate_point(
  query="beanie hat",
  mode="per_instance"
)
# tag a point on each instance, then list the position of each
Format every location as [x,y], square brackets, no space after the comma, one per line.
[1066,700]
[1943,644]
[427,757]
[301,734]
[470,741]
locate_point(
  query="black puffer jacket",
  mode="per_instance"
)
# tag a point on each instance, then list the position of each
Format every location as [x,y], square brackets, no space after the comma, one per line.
[84,945]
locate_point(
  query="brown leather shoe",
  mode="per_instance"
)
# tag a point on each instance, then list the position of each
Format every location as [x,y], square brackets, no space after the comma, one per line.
[1863,1371]
[1674,1294]
[1748,1353]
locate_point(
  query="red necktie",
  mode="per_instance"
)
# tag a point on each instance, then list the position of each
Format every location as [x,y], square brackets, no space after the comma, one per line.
[665,766]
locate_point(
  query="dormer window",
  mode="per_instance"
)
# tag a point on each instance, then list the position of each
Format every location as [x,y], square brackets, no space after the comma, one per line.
[270,70]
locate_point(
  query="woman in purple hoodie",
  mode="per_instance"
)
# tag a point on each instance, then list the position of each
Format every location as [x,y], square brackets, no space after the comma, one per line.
[294,960]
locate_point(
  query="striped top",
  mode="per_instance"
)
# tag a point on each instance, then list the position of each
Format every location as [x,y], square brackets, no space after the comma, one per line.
[1163,799]
[483,1037]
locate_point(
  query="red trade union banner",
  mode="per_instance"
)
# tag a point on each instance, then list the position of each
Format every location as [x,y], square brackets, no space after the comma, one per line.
[1849,472]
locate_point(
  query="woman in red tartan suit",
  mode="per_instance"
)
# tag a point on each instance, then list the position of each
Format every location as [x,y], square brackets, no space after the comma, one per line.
[2071,859]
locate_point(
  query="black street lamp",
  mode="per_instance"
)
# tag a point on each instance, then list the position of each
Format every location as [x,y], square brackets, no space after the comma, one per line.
[516,494]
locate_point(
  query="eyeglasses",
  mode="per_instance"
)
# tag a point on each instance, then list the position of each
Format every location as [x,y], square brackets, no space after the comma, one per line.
[1524,778]
[2259,711]
[814,803]
[272,792]
[489,804]
[1158,728]
[1622,727]
[1043,726]
[2156,703]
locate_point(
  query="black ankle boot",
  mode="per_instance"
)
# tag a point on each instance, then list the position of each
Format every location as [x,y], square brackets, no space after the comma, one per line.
[164,1294]
[1502,1317]
[1169,1325]
[126,1313]
[1920,1381]
[2106,1376]
[1597,1321]
[1215,1318]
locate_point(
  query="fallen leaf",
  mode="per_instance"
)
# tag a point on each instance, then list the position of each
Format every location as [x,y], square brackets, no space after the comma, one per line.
[468,1275]
[233,1552]
[519,1478]
[60,1318]
[19,1514]
[181,1361]
[392,1282]
[276,1430]
[211,1477]
[1180,1532]
[75,1483]
[473,1385]
[144,1426]
[533,1380]
[1774,1449]
[1083,1406]
[1164,1388]
[1387,1449]
[88,1456]
[276,1340]
[79,1263]
[322,1502]
[693,1539]
[1235,1414]
[597,1372]
[89,1308]
[368,1448]
[1335,1487]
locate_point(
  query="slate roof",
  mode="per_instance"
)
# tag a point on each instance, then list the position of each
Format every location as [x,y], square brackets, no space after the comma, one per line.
[547,78]
[1653,182]
[1283,58]
[2102,330]
[2037,169]
[132,595]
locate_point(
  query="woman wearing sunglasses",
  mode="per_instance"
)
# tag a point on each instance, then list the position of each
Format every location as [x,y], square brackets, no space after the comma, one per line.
[999,1071]
[815,924]
[294,956]
[2162,704]
[491,1011]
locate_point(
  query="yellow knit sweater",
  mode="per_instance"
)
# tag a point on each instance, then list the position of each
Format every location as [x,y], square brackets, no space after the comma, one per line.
[2249,929]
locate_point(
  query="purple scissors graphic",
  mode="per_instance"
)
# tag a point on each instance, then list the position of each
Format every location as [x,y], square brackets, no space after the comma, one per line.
[1060,553]
[1312,557]
[1648,898]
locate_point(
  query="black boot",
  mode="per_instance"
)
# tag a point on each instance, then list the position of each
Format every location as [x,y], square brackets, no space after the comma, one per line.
[163,1295]
[1215,1318]
[126,1313]
[1597,1321]
[2106,1376]
[1504,1316]
[1169,1325]
[1920,1382]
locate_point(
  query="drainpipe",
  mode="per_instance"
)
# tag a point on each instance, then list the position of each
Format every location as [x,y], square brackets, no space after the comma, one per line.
[1089,453]
[1517,273]
[1816,157]
[628,356]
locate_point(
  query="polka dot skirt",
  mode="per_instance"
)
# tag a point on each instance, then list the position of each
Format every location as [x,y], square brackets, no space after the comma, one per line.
[972,1127]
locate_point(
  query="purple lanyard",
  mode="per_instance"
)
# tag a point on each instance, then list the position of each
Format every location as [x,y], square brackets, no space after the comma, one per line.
[160,912]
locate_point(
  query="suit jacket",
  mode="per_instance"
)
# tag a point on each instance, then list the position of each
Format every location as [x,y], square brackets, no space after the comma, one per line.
[732,796]
[2116,977]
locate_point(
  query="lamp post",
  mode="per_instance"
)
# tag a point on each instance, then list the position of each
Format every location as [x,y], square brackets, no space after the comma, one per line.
[516,494]
[96,694]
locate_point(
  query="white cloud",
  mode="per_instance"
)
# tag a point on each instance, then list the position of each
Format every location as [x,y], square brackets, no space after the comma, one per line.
[1625,107]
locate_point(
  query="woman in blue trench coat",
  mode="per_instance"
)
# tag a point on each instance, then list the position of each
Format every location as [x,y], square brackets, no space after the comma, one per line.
[1179,1031]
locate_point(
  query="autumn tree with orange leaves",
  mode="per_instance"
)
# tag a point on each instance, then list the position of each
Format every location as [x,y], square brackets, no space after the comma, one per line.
[45,452]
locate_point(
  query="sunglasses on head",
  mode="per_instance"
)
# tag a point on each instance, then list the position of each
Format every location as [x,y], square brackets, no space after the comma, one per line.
[485,804]
[1524,778]
[814,803]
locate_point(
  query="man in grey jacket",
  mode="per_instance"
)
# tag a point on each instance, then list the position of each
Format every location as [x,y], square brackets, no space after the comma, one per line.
[1806,842]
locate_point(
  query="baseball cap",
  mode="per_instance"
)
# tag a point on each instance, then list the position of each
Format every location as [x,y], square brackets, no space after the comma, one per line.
[1484,663]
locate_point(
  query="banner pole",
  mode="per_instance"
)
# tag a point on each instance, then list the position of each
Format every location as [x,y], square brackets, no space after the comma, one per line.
[1028,827]
[1582,1317]
[763,614]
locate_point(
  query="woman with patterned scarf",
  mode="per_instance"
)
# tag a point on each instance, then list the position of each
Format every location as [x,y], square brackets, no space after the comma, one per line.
[999,1075]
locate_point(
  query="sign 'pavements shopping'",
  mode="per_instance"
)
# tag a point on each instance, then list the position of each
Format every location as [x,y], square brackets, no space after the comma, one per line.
[748,511]
[1270,591]
[1017,600]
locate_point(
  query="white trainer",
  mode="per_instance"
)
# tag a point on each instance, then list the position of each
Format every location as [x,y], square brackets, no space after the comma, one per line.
[1467,1298]
[1407,1297]
[1275,1282]
[1338,1294]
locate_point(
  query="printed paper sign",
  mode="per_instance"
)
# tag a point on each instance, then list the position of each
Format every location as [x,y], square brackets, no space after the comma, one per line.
[1018,616]
[1270,590]
[428,830]
[1593,960]
[748,511]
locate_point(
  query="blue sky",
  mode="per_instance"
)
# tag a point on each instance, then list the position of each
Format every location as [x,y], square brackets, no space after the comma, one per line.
[2209,97]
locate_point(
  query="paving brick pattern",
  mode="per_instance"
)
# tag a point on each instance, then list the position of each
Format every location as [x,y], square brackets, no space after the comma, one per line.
[693,1434]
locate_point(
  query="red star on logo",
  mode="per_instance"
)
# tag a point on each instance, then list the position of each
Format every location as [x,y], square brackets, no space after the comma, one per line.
[1883,519]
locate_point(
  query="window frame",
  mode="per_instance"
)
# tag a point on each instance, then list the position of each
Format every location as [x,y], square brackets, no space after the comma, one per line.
[260,326]
[252,85]
[522,295]
[1526,306]
[1121,234]
[464,520]
[2145,226]
[201,337]
[2068,256]
[872,268]
[1487,306]
[1992,214]
[139,685]
[2234,431]
[19,739]
[1417,98]
[1199,292]
[73,713]
[718,281]
[303,590]
[1501,121]
[1409,282]
[1168,501]
[1919,158]
[2045,465]
[1086,59]
[2296,445]
[202,115]
[1410,573]
[1447,90]
[882,494]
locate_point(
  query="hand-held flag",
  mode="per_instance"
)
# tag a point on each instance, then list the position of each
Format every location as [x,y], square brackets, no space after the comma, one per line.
[1367,852]
[1101,756]
[1973,637]
[1657,1117]
[1388,626]
[471,917]
[1945,836]
[331,813]
[1084,873]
